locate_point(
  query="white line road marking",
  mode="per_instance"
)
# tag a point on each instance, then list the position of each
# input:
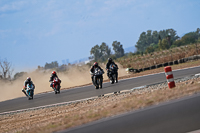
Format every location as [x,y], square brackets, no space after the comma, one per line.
[46,106]
[138,87]
[197,131]
[198,74]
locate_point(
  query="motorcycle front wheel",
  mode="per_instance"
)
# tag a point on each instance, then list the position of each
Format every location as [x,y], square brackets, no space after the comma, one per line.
[112,80]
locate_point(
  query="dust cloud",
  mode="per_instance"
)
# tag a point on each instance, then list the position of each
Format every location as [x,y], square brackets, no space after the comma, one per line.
[75,76]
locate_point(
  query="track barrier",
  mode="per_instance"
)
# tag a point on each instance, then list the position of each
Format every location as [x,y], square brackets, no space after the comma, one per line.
[195,57]
[170,77]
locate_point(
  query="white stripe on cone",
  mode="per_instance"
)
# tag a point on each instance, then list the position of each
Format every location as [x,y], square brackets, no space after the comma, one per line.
[168,73]
[170,80]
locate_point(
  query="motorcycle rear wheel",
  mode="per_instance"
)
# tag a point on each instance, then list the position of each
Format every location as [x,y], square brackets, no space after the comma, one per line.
[100,84]
[97,87]
[30,98]
[96,81]
[112,80]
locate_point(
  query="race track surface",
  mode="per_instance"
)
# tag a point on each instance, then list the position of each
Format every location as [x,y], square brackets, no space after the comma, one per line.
[90,91]
[178,116]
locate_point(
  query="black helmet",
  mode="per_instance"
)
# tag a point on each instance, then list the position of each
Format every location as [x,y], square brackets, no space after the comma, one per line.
[29,79]
[110,60]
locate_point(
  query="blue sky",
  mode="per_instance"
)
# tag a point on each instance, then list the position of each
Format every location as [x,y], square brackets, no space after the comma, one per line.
[33,32]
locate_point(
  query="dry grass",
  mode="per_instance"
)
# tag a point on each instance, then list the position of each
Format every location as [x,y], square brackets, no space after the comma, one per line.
[161,57]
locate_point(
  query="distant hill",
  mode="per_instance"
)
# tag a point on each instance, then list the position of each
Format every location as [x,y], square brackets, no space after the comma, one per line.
[130,49]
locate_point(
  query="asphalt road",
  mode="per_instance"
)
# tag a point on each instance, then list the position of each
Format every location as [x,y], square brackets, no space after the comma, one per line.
[179,116]
[89,91]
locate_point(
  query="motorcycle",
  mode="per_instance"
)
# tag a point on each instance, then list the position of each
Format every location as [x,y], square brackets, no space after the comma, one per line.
[56,85]
[112,72]
[29,92]
[98,78]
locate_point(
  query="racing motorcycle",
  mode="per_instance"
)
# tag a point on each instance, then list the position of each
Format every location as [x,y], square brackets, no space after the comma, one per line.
[56,85]
[29,92]
[98,78]
[112,72]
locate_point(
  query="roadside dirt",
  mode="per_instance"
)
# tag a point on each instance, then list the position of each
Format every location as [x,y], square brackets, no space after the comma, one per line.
[153,71]
[76,76]
[67,116]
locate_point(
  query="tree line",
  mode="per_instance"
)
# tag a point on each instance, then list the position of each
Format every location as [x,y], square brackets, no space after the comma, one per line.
[102,52]
[151,41]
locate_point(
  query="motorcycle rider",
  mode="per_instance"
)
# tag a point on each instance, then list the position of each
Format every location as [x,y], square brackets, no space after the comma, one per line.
[110,61]
[53,75]
[95,65]
[27,81]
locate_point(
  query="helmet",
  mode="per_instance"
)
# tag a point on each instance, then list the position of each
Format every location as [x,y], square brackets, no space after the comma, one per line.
[28,78]
[53,72]
[110,60]
[95,64]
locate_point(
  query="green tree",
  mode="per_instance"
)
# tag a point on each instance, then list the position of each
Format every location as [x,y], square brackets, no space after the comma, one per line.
[176,43]
[150,49]
[51,65]
[172,34]
[162,34]
[141,44]
[100,53]
[197,33]
[198,41]
[155,37]
[95,51]
[190,37]
[118,48]
[163,44]
[149,37]
[105,51]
